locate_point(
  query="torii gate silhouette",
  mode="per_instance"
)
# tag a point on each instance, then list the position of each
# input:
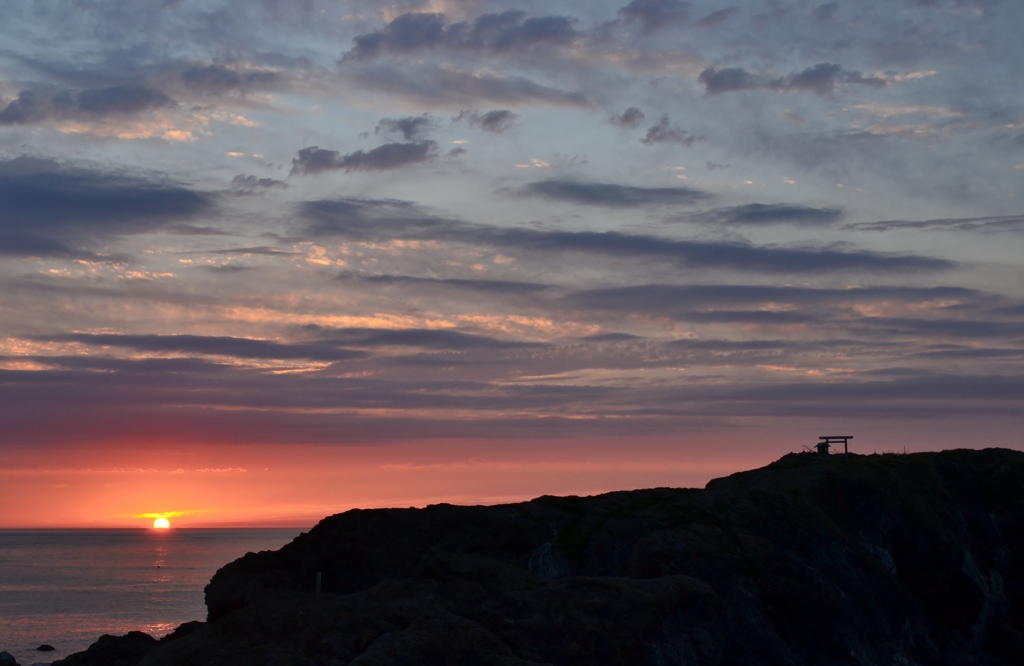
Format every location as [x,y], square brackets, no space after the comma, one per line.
[827,440]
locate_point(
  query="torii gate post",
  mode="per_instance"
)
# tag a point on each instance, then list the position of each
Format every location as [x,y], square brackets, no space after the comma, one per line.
[835,439]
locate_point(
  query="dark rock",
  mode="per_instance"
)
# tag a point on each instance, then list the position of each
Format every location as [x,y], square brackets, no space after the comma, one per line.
[45,647]
[125,650]
[7,659]
[913,559]
[182,631]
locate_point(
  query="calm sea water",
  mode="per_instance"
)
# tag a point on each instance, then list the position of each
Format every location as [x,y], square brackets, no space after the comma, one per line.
[68,587]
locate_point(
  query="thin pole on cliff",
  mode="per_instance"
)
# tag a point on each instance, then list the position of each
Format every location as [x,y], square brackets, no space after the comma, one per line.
[319,578]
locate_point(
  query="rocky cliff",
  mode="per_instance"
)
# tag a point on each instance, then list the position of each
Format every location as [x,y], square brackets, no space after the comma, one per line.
[887,559]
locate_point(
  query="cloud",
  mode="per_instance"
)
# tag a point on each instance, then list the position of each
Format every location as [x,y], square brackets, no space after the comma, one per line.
[964,352]
[819,79]
[244,185]
[47,209]
[826,11]
[728,79]
[656,14]
[611,337]
[869,396]
[497,121]
[226,269]
[491,287]
[183,229]
[38,106]
[764,214]
[411,128]
[612,195]
[314,160]
[248,405]
[945,327]
[211,345]
[423,338]
[359,219]
[450,87]
[113,399]
[991,224]
[218,79]
[509,31]
[366,219]
[716,19]
[246,251]
[630,118]
[664,132]
[667,298]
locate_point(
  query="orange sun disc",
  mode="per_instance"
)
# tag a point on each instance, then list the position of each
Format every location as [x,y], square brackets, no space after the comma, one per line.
[161,524]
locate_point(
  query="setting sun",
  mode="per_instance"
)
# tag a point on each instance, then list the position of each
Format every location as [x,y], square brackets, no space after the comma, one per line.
[160,520]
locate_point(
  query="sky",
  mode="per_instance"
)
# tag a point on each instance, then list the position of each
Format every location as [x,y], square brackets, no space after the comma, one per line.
[263,261]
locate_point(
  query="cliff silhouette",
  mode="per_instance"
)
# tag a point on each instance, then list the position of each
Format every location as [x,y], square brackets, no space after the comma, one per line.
[880,559]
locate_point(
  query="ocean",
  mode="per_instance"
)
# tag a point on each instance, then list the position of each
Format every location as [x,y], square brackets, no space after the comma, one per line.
[66,588]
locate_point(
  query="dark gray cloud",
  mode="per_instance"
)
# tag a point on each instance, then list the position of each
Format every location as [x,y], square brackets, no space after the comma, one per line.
[490,287]
[748,317]
[509,31]
[186,398]
[764,214]
[359,219]
[313,159]
[664,131]
[245,185]
[656,14]
[611,337]
[630,118]
[36,106]
[717,18]
[173,393]
[978,329]
[367,219]
[227,269]
[412,128]
[497,121]
[819,79]
[447,86]
[612,195]
[734,345]
[826,11]
[418,337]
[50,210]
[130,369]
[182,229]
[219,79]
[211,346]
[991,224]
[729,79]
[969,353]
[654,298]
[1011,310]
[246,251]
[867,396]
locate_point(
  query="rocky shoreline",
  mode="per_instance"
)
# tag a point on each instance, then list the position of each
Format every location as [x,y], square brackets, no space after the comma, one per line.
[882,559]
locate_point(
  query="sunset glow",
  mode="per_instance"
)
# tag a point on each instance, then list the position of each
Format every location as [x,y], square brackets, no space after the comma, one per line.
[161,524]
[312,256]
